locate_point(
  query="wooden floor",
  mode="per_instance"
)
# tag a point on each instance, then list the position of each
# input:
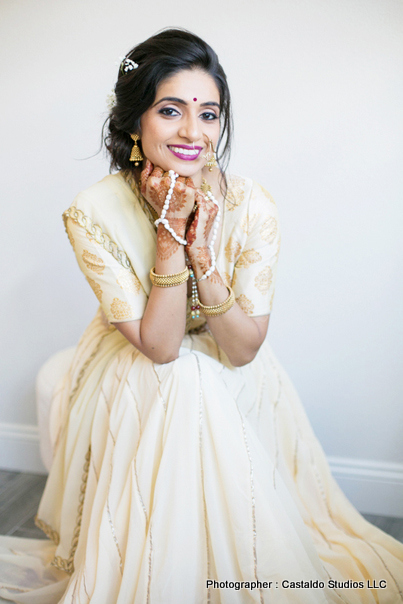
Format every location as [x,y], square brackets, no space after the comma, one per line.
[21,492]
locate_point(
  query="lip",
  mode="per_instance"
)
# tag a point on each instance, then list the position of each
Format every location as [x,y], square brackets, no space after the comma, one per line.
[187,146]
[182,155]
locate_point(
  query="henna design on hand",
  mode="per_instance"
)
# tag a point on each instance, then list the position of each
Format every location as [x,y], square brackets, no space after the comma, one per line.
[166,244]
[155,186]
[199,229]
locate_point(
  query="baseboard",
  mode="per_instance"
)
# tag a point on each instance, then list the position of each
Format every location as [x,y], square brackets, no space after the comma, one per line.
[373,487]
[19,448]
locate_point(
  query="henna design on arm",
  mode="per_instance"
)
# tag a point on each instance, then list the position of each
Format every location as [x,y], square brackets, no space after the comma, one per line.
[166,244]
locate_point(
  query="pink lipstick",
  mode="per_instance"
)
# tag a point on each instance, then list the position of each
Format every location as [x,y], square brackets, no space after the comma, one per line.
[185,152]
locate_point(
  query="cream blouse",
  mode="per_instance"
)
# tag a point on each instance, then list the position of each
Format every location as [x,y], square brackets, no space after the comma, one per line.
[114,239]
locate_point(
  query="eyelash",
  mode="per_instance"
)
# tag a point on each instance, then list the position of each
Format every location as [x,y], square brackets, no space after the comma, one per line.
[211,118]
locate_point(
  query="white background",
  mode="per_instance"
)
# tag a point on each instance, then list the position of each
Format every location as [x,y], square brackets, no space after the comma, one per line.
[317,94]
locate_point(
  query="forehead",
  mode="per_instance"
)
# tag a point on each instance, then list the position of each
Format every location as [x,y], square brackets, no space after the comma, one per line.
[188,84]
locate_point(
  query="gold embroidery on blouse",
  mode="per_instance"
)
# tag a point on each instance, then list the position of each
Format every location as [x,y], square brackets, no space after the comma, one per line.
[248,222]
[120,309]
[47,529]
[263,280]
[99,236]
[268,230]
[267,194]
[128,281]
[247,258]
[96,288]
[93,262]
[232,249]
[246,305]
[89,237]
[226,278]
[235,194]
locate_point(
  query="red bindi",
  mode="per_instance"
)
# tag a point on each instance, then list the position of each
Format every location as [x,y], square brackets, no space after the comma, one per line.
[195,99]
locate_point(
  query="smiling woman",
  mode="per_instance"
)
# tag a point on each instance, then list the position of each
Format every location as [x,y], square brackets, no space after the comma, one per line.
[184,467]
[172,121]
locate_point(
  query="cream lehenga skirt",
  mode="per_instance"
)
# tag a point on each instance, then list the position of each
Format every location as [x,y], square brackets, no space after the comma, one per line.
[188,483]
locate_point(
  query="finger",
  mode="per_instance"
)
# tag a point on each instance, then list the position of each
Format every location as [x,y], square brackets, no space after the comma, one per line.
[199,197]
[157,172]
[189,183]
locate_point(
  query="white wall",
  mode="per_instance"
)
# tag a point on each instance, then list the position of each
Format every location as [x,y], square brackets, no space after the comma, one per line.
[317,93]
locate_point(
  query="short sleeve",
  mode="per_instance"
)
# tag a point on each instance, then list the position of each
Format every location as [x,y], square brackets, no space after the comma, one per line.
[117,287]
[255,269]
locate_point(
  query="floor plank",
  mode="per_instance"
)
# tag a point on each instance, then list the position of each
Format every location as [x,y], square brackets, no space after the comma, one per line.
[20,494]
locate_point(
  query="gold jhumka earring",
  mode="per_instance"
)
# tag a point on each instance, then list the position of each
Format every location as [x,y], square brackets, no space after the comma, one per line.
[136,153]
[211,161]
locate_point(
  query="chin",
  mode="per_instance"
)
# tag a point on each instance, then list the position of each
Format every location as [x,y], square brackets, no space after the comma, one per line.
[184,168]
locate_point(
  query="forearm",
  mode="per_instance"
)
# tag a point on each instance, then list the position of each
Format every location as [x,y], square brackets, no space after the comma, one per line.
[237,334]
[158,335]
[163,324]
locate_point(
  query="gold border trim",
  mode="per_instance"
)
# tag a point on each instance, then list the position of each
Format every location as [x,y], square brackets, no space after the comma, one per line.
[67,564]
[98,234]
[47,529]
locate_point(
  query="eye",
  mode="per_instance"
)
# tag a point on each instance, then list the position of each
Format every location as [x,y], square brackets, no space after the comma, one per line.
[169,111]
[209,116]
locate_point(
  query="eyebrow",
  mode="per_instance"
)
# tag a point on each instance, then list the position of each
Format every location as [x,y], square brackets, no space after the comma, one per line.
[175,99]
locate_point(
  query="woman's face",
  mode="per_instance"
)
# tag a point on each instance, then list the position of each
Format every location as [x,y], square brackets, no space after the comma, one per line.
[185,113]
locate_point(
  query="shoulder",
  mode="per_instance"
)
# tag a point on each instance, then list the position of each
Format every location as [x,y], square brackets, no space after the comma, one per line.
[249,196]
[111,192]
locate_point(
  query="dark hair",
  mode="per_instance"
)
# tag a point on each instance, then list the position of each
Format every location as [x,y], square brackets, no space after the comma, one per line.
[158,58]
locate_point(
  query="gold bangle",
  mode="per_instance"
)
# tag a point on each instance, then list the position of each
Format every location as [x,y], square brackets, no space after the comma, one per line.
[169,280]
[219,309]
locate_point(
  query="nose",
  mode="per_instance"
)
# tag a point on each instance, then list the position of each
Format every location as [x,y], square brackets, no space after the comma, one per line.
[190,128]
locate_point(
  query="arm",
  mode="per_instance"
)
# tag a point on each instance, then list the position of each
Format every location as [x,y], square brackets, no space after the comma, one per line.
[159,333]
[239,335]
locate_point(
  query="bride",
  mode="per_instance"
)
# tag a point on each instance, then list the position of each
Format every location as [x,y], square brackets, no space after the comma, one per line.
[185,469]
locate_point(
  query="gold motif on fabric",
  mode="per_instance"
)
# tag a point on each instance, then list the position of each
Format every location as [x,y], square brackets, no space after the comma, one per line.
[226,278]
[235,194]
[93,262]
[263,280]
[232,249]
[248,222]
[121,310]
[96,288]
[244,303]
[267,194]
[99,236]
[247,258]
[268,230]
[128,281]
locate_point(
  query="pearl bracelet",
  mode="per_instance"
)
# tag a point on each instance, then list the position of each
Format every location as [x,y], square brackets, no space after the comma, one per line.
[162,220]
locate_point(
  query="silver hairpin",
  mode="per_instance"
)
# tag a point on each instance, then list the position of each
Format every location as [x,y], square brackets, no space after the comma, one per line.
[127,65]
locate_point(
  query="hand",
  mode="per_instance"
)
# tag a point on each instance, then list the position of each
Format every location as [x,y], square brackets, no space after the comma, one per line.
[155,184]
[197,235]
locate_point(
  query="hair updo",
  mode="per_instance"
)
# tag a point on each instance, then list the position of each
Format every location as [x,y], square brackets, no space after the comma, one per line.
[158,58]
